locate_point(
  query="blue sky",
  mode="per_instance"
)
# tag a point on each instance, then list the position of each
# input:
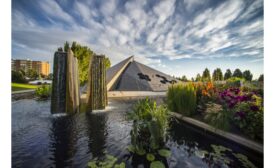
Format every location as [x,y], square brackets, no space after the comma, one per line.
[178,37]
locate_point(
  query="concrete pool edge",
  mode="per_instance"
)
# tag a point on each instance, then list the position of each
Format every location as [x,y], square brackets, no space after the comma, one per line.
[230,136]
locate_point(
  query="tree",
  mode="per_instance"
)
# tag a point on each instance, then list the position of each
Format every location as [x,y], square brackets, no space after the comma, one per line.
[261,78]
[83,55]
[217,75]
[206,75]
[184,78]
[107,62]
[31,73]
[50,76]
[238,73]
[60,49]
[198,78]
[66,46]
[192,79]
[247,75]
[228,74]
[18,77]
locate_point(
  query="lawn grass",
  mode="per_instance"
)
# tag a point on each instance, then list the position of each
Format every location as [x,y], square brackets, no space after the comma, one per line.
[20,86]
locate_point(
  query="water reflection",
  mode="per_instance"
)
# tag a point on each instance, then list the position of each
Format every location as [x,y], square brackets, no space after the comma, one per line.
[63,141]
[96,133]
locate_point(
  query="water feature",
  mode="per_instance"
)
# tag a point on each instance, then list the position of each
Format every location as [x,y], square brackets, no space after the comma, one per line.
[41,139]
[65,85]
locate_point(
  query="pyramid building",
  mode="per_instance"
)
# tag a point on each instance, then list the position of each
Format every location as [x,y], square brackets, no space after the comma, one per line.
[130,75]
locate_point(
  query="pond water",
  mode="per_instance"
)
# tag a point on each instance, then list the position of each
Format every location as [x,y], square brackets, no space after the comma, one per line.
[40,139]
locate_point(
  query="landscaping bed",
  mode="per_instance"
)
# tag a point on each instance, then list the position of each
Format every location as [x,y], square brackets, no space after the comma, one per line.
[235,106]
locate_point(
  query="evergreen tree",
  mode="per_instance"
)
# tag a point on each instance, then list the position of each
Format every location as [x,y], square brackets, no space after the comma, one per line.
[184,78]
[217,75]
[66,46]
[247,75]
[206,75]
[228,74]
[198,78]
[238,73]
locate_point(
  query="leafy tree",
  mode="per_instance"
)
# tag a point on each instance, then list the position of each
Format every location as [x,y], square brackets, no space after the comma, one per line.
[198,78]
[107,62]
[192,79]
[217,75]
[261,78]
[83,55]
[50,76]
[33,74]
[238,73]
[18,77]
[228,74]
[206,75]
[247,75]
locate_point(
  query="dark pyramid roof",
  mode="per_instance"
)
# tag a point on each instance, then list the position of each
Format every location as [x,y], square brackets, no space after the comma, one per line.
[137,77]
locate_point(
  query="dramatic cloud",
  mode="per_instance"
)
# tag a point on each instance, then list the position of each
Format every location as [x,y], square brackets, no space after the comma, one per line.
[158,33]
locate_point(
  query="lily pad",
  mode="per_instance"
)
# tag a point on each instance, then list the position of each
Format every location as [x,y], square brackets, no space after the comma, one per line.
[131,148]
[164,152]
[150,157]
[121,165]
[141,151]
[157,164]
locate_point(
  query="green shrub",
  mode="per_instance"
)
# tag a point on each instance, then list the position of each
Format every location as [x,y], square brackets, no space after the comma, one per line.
[43,92]
[150,123]
[217,116]
[182,99]
[249,117]
[234,82]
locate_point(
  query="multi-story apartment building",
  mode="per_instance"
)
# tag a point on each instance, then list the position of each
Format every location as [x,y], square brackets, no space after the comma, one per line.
[39,66]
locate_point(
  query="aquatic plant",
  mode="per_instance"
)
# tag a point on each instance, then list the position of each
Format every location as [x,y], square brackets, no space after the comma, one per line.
[182,99]
[150,123]
[244,160]
[157,164]
[109,162]
[43,92]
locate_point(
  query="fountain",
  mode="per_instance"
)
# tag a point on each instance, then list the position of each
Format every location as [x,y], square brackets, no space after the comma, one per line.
[65,85]
[97,89]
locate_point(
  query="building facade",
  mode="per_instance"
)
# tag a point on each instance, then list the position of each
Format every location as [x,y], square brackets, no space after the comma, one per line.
[39,66]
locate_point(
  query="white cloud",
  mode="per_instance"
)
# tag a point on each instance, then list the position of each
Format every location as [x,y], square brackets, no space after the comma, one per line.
[53,10]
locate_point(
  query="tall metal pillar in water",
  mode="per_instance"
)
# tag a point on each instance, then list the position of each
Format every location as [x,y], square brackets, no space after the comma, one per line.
[65,84]
[97,88]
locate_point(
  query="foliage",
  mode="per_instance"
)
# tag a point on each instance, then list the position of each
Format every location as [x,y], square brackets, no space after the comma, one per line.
[234,82]
[164,152]
[18,77]
[107,63]
[33,74]
[244,160]
[150,123]
[150,157]
[217,75]
[182,99]
[157,164]
[217,116]
[83,55]
[50,76]
[261,78]
[238,73]
[249,116]
[228,74]
[43,92]
[198,78]
[247,75]
[184,78]
[109,162]
[206,75]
